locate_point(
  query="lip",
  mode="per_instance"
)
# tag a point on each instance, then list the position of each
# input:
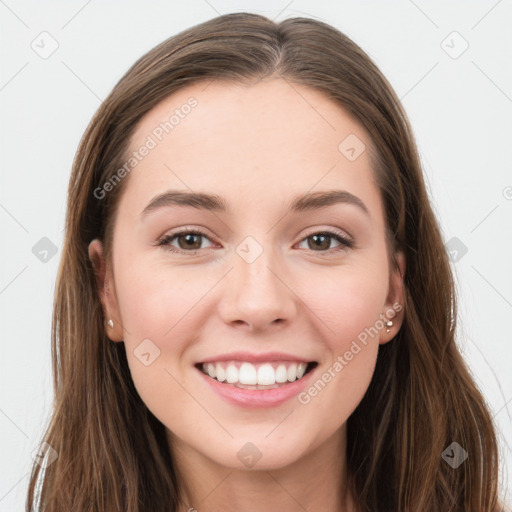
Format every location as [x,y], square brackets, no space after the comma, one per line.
[258,398]
[255,358]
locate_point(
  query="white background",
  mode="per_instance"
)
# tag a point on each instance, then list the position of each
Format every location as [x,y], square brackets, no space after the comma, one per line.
[461,113]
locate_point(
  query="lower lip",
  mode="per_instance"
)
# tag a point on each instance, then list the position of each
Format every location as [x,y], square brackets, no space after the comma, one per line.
[258,397]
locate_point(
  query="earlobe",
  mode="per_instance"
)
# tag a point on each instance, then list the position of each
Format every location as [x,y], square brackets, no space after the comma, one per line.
[106,291]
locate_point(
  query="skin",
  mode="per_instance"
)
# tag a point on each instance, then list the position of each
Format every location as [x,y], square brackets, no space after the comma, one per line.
[257,146]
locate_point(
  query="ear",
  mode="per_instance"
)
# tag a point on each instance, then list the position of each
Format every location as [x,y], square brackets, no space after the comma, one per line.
[106,290]
[394,306]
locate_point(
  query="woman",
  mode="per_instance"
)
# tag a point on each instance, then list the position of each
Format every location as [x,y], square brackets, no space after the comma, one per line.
[254,308]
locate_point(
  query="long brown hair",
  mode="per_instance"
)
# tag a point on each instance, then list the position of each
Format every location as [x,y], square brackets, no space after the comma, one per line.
[112,452]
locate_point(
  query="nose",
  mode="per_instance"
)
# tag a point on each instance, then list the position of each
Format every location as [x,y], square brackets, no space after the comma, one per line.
[257,294]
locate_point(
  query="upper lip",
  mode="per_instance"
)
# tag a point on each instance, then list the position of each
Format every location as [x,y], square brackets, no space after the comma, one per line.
[256,358]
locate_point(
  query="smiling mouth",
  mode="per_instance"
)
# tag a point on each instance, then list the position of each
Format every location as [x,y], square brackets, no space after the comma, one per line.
[268,375]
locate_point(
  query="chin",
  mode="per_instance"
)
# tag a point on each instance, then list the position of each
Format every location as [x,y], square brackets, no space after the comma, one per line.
[261,451]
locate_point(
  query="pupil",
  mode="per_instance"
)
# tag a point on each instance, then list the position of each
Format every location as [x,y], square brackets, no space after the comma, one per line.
[316,237]
[190,239]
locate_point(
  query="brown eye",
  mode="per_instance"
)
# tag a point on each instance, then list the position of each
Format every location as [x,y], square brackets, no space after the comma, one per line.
[189,242]
[321,242]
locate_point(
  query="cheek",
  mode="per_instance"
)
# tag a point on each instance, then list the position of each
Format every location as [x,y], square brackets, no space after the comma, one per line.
[155,304]
[347,300]
[158,317]
[336,391]
[347,304]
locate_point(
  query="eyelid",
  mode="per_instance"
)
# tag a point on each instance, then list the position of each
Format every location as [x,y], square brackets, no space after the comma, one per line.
[331,231]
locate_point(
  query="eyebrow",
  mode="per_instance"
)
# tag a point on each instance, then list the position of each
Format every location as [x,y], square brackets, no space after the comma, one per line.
[215,203]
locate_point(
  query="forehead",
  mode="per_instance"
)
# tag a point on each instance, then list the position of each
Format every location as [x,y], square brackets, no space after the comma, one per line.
[272,138]
[234,113]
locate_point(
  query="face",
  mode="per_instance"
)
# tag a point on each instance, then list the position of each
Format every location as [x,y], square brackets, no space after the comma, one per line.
[271,280]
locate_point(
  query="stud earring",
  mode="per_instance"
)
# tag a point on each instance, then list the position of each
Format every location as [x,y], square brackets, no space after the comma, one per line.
[389,324]
[110,323]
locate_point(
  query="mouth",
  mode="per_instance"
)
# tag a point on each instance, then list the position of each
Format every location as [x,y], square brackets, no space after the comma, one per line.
[256,376]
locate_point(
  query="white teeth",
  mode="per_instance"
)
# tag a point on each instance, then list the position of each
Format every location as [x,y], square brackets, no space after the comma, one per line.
[248,374]
[281,373]
[231,374]
[292,372]
[221,373]
[266,375]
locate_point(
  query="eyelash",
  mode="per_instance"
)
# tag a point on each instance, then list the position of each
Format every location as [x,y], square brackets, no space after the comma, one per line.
[338,236]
